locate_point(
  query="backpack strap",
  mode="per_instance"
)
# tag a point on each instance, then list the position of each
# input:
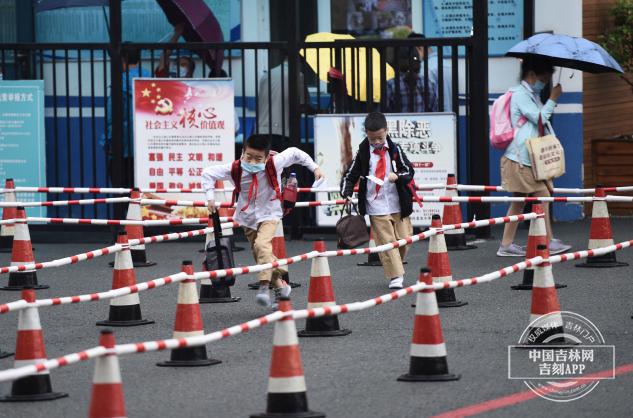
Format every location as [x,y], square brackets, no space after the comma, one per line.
[236,176]
[271,175]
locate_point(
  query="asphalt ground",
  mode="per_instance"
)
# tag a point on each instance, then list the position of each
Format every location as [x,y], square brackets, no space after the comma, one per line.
[351,376]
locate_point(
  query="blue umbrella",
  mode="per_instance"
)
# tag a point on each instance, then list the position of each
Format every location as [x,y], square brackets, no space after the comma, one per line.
[567,51]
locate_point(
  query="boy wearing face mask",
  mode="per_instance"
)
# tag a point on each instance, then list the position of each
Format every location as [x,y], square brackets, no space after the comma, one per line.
[256,177]
[390,204]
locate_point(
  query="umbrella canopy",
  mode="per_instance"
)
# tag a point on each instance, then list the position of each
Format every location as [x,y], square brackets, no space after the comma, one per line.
[355,65]
[200,26]
[567,51]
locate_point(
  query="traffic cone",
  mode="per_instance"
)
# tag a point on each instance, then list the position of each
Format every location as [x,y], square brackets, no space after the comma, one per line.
[546,322]
[287,395]
[108,399]
[455,238]
[188,324]
[373,259]
[22,254]
[29,350]
[600,234]
[537,235]
[139,256]
[279,250]
[125,311]
[7,231]
[321,294]
[440,267]
[428,351]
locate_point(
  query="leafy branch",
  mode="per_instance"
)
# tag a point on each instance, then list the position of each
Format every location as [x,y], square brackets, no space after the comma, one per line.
[618,40]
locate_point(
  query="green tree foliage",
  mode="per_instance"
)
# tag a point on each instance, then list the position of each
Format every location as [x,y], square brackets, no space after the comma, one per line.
[618,39]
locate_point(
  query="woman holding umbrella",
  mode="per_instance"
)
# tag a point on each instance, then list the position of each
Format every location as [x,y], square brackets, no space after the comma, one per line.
[527,113]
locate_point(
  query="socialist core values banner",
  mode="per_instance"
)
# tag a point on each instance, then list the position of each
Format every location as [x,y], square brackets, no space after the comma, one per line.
[180,127]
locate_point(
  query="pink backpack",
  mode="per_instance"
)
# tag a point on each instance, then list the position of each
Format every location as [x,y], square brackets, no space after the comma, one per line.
[501,129]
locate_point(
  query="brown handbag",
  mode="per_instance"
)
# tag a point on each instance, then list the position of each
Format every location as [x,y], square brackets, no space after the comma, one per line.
[351,230]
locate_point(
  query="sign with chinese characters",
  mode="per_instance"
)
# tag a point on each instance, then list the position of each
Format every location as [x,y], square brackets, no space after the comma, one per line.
[454,18]
[180,127]
[22,142]
[428,140]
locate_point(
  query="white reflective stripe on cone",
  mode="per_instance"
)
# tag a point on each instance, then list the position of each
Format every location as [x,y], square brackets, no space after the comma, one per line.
[286,384]
[537,227]
[134,212]
[285,333]
[107,370]
[22,363]
[185,334]
[437,244]
[187,294]
[21,232]
[123,261]
[29,320]
[126,300]
[442,279]
[312,305]
[543,277]
[598,243]
[428,350]
[320,267]
[552,320]
[426,304]
[600,210]
[7,230]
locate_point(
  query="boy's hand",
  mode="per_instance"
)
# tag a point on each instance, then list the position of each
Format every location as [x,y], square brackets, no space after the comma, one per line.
[211,206]
[318,174]
[393,177]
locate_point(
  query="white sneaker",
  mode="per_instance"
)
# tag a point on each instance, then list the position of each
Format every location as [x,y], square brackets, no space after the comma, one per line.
[263,297]
[396,283]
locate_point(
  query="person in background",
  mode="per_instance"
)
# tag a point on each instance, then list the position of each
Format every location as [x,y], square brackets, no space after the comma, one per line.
[405,92]
[434,74]
[390,204]
[256,177]
[526,109]
[175,67]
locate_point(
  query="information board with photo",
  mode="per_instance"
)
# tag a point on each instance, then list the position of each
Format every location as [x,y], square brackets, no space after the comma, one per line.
[180,127]
[428,139]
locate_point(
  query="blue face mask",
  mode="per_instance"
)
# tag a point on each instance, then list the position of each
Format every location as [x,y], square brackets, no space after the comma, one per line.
[252,168]
[538,86]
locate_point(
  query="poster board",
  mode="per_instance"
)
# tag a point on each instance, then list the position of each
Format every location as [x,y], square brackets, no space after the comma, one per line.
[428,140]
[181,126]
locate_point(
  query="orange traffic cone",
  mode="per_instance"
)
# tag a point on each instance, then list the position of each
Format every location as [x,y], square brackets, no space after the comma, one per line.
[22,254]
[125,311]
[440,267]
[537,235]
[600,234]
[287,395]
[428,351]
[108,399]
[7,230]
[321,294]
[455,238]
[29,349]
[373,259]
[546,322]
[139,256]
[188,324]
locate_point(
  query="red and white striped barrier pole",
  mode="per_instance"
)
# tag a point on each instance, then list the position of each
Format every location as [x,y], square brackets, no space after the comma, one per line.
[600,234]
[188,324]
[108,399]
[428,350]
[321,294]
[65,202]
[546,322]
[7,230]
[22,255]
[455,238]
[29,350]
[115,222]
[440,266]
[287,393]
[125,311]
